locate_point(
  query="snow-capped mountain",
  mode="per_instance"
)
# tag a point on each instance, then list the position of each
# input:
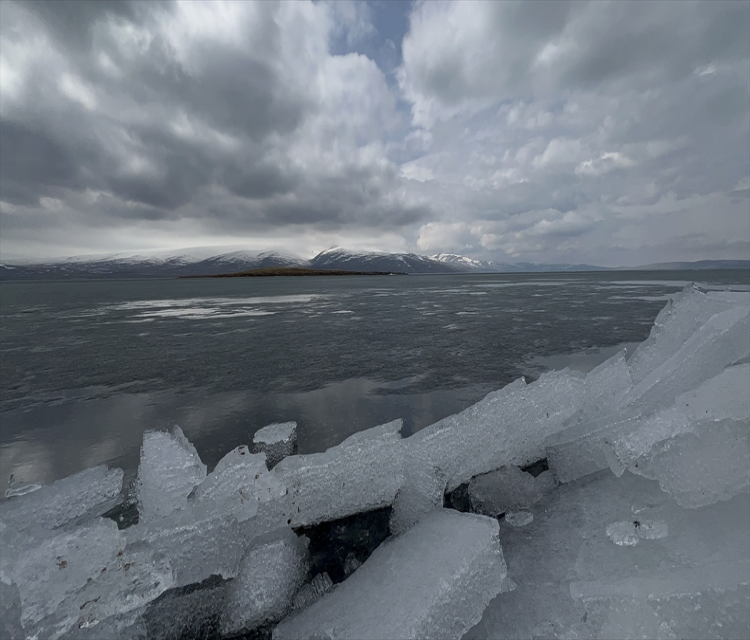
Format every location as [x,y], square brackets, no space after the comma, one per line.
[338,258]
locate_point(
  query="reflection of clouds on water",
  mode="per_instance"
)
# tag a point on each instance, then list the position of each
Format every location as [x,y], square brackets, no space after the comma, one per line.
[49,442]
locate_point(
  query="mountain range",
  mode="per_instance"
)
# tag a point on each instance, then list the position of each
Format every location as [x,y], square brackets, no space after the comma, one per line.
[189,262]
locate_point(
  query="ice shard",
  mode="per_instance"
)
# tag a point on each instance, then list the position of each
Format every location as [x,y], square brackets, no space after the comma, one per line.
[169,470]
[277,441]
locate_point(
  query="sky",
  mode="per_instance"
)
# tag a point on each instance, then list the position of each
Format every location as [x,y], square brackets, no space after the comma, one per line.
[614,134]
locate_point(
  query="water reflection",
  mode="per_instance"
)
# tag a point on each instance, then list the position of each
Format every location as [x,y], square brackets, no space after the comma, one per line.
[110,429]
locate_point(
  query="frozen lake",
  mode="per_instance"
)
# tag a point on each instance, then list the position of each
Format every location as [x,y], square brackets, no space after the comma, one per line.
[87,366]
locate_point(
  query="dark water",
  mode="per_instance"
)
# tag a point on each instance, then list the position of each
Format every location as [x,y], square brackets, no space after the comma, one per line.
[87,366]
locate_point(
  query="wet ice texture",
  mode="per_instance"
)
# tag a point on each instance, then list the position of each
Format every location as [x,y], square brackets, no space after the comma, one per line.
[277,441]
[270,574]
[168,471]
[432,582]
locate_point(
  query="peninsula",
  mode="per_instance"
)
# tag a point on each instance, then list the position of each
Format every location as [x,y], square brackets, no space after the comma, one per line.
[296,271]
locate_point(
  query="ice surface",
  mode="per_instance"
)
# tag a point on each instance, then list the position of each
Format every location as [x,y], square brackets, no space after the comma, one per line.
[699,468]
[238,484]
[518,518]
[313,591]
[277,440]
[86,494]
[689,568]
[507,489]
[431,582]
[618,440]
[364,472]
[169,470]
[271,572]
[46,570]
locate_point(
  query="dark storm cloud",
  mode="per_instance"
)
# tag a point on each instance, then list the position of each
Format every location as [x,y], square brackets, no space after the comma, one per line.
[166,111]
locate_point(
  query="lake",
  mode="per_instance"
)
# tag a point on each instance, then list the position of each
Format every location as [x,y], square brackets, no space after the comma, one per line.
[86,366]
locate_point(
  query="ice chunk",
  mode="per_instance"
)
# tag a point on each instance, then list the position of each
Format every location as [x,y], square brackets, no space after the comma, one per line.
[703,467]
[271,572]
[433,581]
[722,341]
[47,570]
[277,441]
[114,598]
[618,440]
[169,470]
[86,494]
[351,564]
[199,542]
[605,386]
[422,491]
[676,322]
[22,489]
[238,484]
[506,427]
[313,591]
[362,473]
[507,489]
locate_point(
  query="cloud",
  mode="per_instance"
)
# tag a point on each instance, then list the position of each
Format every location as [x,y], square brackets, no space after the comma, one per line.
[562,131]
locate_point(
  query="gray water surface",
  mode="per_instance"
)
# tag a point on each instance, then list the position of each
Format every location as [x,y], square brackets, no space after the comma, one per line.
[87,366]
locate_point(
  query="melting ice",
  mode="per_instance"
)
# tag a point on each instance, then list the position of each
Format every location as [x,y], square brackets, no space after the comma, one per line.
[636,523]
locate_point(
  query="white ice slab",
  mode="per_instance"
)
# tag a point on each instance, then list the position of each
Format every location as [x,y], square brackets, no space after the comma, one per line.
[270,574]
[169,470]
[362,473]
[88,493]
[422,491]
[507,427]
[434,581]
[676,322]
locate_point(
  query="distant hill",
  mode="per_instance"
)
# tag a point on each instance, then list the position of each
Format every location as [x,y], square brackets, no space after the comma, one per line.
[201,263]
[699,264]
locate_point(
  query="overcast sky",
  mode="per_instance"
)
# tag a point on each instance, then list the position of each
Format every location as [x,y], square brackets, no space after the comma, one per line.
[614,134]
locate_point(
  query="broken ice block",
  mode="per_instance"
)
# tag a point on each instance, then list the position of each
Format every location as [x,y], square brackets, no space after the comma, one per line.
[676,322]
[605,386]
[619,440]
[271,572]
[362,473]
[169,470]
[506,427]
[277,441]
[700,468]
[507,489]
[421,492]
[47,570]
[199,541]
[433,581]
[518,518]
[238,484]
[313,591]
[722,341]
[86,494]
